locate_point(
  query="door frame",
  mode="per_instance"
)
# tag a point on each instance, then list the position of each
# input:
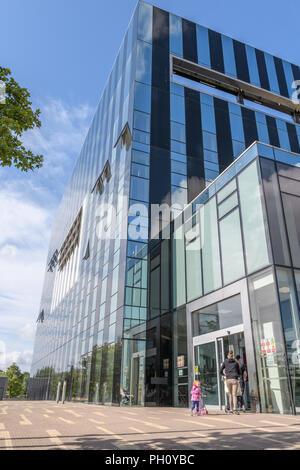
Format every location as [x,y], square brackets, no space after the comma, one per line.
[236,288]
[215,337]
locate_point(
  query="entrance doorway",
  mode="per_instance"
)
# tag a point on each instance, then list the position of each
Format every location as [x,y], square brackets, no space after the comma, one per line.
[210,351]
[137,378]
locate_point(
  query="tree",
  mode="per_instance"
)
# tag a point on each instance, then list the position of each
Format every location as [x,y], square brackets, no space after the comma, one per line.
[16,117]
[15,386]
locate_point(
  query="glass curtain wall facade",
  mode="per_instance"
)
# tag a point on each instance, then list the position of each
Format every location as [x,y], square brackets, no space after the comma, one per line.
[113,317]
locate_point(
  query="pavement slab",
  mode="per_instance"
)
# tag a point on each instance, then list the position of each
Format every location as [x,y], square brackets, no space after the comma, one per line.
[44,425]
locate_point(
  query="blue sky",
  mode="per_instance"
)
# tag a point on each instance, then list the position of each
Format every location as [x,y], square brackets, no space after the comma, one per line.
[62,51]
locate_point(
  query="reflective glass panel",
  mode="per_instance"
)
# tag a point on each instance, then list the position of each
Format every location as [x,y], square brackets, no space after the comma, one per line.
[269,344]
[210,246]
[177,108]
[228,54]
[145,22]
[143,62]
[256,248]
[232,247]
[252,65]
[219,316]
[176,35]
[142,97]
[203,46]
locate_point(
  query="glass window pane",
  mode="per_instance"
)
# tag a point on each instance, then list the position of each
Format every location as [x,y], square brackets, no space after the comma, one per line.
[178,196]
[211,166]
[238,148]
[177,108]
[232,247]
[176,35]
[208,118]
[193,270]
[252,65]
[176,89]
[210,141]
[272,73]
[140,157]
[178,167]
[229,188]
[203,46]
[253,220]
[177,131]
[143,71]
[291,206]
[297,279]
[136,249]
[210,175]
[291,327]
[145,22]
[142,137]
[141,171]
[289,76]
[178,180]
[178,157]
[205,361]
[229,58]
[237,129]
[141,121]
[228,205]
[210,246]
[179,295]
[142,97]
[275,212]
[139,189]
[178,147]
[211,156]
[267,328]
[283,135]
[263,134]
[218,316]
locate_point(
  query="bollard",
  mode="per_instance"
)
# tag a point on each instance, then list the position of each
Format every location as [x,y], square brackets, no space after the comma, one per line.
[58,392]
[64,392]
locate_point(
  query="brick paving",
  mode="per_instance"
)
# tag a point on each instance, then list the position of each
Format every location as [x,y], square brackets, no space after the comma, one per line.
[44,425]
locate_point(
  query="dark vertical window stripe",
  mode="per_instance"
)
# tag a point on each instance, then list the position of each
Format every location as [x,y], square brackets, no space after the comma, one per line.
[250,128]
[196,177]
[189,41]
[296,71]
[160,176]
[262,69]
[194,143]
[160,169]
[281,77]
[273,132]
[224,140]
[242,69]
[292,133]
[216,51]
[160,50]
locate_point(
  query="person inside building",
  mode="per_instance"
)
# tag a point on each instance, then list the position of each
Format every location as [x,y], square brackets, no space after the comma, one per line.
[241,404]
[230,368]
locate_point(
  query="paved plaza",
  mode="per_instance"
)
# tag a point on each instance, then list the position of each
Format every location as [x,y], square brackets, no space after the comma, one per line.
[44,425]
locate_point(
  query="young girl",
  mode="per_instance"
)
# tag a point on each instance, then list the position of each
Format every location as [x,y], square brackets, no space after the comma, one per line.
[195,396]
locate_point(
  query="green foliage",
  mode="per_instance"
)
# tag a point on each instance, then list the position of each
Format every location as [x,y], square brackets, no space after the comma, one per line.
[16,381]
[16,117]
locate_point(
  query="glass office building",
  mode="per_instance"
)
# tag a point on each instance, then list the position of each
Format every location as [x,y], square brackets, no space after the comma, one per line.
[178,235]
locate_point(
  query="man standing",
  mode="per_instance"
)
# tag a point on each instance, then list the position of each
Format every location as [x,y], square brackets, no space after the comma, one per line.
[230,368]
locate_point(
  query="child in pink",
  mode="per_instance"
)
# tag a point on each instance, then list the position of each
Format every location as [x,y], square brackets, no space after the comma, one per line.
[196,394]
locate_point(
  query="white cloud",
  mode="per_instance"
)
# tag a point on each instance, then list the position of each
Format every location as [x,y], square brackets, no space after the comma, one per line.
[21,358]
[27,332]
[28,203]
